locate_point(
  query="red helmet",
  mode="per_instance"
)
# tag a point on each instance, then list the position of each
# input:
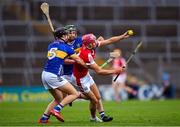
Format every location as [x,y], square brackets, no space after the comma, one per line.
[89,39]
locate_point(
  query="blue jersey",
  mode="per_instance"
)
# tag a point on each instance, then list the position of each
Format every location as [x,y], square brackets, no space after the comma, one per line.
[75,45]
[57,52]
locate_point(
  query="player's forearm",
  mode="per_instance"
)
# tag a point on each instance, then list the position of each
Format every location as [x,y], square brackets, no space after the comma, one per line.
[69,61]
[115,39]
[105,72]
[112,40]
[101,71]
[80,61]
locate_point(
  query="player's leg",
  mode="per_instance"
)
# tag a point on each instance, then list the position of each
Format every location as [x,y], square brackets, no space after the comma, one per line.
[82,96]
[45,77]
[57,94]
[45,117]
[53,103]
[71,91]
[116,86]
[100,107]
[121,85]
[93,103]
[94,118]
[72,95]
[71,80]
[85,83]
[84,86]
[55,85]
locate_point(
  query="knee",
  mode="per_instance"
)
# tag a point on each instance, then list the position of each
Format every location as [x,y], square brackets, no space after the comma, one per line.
[95,101]
[98,98]
[76,94]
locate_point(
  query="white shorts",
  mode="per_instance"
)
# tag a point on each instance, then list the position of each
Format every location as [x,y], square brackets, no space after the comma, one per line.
[85,83]
[70,79]
[121,79]
[52,81]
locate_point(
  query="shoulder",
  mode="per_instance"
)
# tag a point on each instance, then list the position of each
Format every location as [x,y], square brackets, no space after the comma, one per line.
[84,53]
[63,46]
[122,59]
[78,40]
[66,46]
[53,44]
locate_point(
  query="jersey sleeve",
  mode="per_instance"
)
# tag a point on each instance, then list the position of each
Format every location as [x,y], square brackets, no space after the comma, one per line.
[78,44]
[80,41]
[70,51]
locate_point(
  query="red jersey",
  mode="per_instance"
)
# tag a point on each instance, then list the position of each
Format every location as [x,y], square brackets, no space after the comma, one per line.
[119,62]
[88,57]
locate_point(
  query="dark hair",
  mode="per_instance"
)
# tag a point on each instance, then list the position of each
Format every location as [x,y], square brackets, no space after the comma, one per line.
[59,32]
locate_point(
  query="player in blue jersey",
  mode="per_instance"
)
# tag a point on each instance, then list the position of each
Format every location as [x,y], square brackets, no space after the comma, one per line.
[75,43]
[52,78]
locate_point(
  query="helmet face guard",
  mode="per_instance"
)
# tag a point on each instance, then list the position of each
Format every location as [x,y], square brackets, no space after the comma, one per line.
[72,32]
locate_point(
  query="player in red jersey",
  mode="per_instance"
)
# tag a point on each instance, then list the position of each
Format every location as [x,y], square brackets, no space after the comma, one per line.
[85,82]
[120,83]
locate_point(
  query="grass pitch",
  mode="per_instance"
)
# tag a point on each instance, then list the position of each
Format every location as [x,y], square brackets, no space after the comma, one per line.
[129,113]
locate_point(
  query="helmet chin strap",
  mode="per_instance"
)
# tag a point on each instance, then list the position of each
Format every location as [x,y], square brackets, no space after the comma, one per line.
[62,39]
[70,42]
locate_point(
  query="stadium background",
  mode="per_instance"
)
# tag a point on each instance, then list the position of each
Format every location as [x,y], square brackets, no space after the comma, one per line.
[25,35]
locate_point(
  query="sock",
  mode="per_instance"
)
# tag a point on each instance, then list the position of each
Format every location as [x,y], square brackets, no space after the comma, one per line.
[45,117]
[58,108]
[102,114]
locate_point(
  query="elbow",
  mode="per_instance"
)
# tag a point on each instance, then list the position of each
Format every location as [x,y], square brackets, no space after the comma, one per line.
[99,72]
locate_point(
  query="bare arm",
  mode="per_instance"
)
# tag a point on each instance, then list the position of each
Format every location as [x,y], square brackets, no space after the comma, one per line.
[114,39]
[101,71]
[69,61]
[77,59]
[100,38]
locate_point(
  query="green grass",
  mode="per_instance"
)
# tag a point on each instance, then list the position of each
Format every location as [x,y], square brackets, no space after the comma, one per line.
[131,113]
